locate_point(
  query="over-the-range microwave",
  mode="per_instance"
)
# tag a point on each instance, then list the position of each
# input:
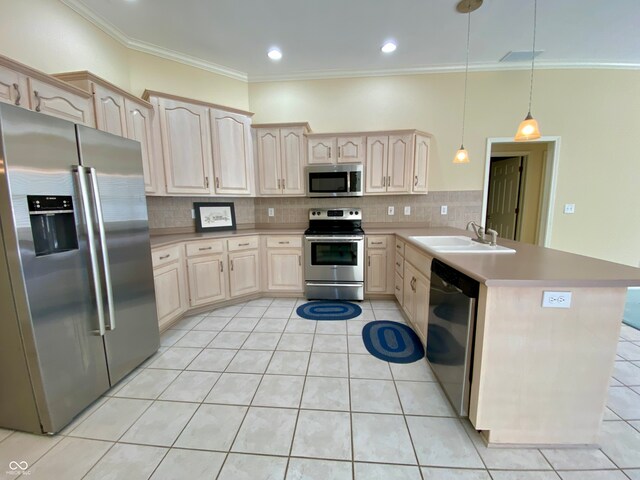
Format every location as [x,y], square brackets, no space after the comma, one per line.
[334,180]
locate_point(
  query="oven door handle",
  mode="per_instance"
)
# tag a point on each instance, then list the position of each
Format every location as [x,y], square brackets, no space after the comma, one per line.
[333,238]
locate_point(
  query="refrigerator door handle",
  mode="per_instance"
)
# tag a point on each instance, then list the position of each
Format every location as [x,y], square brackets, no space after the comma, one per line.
[93,255]
[93,179]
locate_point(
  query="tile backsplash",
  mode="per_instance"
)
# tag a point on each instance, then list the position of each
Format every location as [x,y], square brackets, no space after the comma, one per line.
[462,206]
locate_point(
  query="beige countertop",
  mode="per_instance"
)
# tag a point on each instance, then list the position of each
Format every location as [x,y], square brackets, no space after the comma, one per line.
[529,266]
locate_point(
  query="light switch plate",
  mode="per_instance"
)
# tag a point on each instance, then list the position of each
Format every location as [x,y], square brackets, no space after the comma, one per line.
[556,299]
[407,210]
[271,212]
[443,210]
[569,208]
[390,210]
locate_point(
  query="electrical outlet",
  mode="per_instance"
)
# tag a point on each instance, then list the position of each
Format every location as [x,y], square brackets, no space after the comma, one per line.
[193,213]
[407,210]
[390,210]
[569,208]
[443,210]
[556,299]
[272,212]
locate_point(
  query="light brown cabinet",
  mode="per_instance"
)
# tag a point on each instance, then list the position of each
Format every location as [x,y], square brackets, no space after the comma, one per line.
[416,285]
[139,119]
[244,273]
[331,149]
[281,158]
[13,87]
[206,279]
[378,265]
[170,283]
[284,264]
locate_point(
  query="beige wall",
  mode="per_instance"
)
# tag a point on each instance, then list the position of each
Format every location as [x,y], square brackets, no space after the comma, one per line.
[595,112]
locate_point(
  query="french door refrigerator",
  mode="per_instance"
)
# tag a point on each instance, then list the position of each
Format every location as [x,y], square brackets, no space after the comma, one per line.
[77,301]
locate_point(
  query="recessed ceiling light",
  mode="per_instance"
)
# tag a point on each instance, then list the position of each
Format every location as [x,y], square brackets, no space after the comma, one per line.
[274,53]
[389,47]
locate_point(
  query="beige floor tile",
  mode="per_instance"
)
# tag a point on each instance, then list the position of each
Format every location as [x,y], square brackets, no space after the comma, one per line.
[262,341]
[356,345]
[195,338]
[4,433]
[354,328]
[593,475]
[278,312]
[390,315]
[300,325]
[520,475]
[24,447]
[629,351]
[609,416]
[635,424]
[443,442]
[417,371]
[253,467]
[275,325]
[83,416]
[212,360]
[168,338]
[454,474]
[368,366]
[627,373]
[242,324]
[212,324]
[630,333]
[284,302]
[259,302]
[213,427]
[328,365]
[112,419]
[229,311]
[161,424]
[149,384]
[332,327]
[234,389]
[323,435]
[325,393]
[633,474]
[372,471]
[374,396]
[330,343]
[180,464]
[251,312]
[577,458]
[279,391]
[624,402]
[296,342]
[127,461]
[424,398]
[621,443]
[289,363]
[188,323]
[229,340]
[70,459]
[266,430]
[176,358]
[381,438]
[306,469]
[190,387]
[250,361]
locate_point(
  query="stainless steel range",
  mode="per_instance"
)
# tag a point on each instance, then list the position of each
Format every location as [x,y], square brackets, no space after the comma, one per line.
[334,254]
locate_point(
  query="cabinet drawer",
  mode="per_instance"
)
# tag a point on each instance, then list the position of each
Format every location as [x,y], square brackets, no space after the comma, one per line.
[242,243]
[399,265]
[399,247]
[376,242]
[164,256]
[204,247]
[420,261]
[284,242]
[398,289]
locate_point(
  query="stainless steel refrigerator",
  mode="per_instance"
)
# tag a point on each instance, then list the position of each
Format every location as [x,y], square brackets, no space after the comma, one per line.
[77,301]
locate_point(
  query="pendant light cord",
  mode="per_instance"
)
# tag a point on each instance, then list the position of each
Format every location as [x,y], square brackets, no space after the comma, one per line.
[466,74]
[533,51]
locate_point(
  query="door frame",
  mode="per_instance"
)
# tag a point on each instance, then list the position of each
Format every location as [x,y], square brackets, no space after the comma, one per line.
[548,194]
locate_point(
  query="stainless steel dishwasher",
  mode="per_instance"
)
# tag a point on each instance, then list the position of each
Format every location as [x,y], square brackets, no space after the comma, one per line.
[452,316]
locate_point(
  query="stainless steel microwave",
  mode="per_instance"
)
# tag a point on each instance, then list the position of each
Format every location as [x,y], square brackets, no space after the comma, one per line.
[334,180]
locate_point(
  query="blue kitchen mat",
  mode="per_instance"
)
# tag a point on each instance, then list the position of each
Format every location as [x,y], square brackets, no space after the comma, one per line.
[392,342]
[328,310]
[632,308]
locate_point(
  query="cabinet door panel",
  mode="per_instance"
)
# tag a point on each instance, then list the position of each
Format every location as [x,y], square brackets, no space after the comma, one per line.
[231,153]
[421,306]
[186,147]
[351,149]
[268,145]
[170,292]
[292,160]
[376,281]
[420,164]
[376,170]
[13,88]
[408,297]
[399,163]
[322,150]
[110,111]
[206,280]
[244,276]
[284,270]
[139,128]
[60,103]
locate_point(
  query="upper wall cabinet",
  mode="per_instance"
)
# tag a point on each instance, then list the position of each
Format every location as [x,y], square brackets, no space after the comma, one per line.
[332,149]
[280,152]
[120,113]
[232,153]
[23,86]
[397,163]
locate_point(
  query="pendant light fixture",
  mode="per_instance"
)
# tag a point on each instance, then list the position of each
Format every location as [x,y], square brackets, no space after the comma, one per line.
[528,129]
[465,6]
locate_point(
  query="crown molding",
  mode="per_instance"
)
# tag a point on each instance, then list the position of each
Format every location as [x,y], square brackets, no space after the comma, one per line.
[144,47]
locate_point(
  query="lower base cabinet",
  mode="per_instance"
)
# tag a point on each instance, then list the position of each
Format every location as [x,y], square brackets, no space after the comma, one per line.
[206,280]
[284,270]
[170,292]
[415,299]
[244,273]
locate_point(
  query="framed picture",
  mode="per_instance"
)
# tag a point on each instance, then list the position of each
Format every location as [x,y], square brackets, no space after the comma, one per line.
[213,217]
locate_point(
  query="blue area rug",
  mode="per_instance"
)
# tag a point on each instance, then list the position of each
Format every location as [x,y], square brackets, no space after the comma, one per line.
[328,310]
[392,342]
[632,308]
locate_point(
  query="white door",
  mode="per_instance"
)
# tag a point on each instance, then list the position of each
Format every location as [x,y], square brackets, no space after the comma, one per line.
[351,149]
[292,160]
[110,111]
[504,191]
[139,128]
[399,163]
[269,171]
[322,150]
[231,153]
[376,171]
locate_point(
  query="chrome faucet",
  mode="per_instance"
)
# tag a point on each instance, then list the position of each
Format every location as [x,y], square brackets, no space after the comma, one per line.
[480,233]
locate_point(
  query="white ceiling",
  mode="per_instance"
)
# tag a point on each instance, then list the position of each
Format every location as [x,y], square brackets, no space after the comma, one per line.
[329,38]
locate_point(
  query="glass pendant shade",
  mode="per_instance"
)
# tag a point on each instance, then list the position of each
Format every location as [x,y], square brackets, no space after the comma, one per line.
[528,129]
[462,156]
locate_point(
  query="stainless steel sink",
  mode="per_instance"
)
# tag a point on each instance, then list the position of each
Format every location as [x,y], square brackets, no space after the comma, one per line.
[458,244]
